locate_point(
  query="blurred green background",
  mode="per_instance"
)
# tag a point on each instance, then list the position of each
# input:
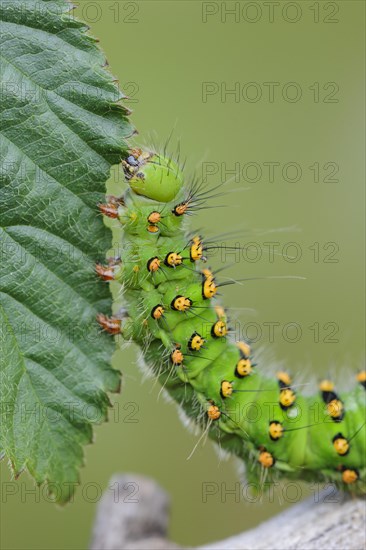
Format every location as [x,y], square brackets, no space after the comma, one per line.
[298,77]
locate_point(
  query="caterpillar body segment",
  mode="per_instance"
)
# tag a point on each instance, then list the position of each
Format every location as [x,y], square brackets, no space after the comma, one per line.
[152,175]
[174,315]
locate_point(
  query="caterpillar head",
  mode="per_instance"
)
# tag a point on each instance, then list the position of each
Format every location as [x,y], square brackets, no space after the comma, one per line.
[152,175]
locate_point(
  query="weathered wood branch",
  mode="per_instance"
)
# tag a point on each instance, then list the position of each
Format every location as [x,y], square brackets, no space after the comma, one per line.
[127,523]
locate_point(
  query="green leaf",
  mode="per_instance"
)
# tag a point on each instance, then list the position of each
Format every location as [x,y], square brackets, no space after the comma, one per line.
[62,128]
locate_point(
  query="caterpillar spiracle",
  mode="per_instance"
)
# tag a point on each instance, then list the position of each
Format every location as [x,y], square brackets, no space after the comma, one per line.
[173,314]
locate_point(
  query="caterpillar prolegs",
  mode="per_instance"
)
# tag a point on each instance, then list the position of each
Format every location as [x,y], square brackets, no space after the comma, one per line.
[172,312]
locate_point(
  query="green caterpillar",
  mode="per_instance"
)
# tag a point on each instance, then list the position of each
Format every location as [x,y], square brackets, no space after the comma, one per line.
[172,313]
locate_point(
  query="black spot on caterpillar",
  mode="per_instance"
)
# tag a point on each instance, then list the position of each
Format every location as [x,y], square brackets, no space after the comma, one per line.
[168,292]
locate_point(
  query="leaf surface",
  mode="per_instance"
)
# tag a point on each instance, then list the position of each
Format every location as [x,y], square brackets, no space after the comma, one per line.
[62,128]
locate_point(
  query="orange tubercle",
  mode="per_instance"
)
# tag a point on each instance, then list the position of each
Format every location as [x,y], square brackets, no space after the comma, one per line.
[213,412]
[349,476]
[266,459]
[154,217]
